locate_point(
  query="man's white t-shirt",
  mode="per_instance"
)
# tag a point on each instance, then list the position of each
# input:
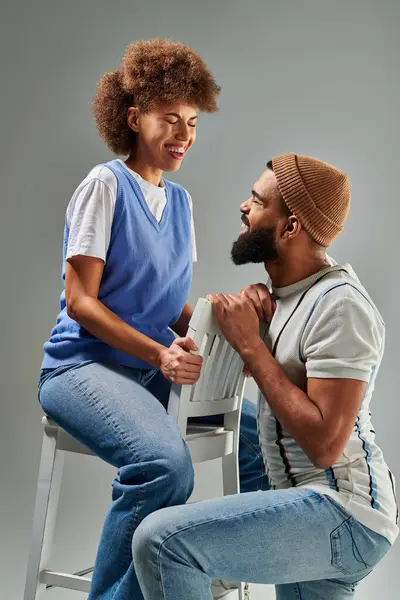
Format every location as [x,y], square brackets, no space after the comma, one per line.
[90,211]
[326,326]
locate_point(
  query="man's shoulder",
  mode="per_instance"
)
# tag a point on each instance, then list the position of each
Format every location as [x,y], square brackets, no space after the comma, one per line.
[341,292]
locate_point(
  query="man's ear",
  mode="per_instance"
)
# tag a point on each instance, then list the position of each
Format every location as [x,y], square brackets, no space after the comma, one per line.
[293,226]
[133,118]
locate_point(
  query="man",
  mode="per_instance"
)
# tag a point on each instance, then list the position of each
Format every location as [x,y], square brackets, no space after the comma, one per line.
[331,514]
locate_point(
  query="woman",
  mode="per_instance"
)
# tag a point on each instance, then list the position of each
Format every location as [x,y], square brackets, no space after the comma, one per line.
[128,250]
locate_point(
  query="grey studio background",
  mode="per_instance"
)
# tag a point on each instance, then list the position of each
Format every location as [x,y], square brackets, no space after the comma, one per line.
[314,77]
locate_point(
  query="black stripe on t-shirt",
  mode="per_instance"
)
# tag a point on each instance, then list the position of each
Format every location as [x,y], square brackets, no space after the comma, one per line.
[282,452]
[394,495]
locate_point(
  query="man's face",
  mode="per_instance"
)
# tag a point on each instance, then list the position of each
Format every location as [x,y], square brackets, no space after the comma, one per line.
[262,215]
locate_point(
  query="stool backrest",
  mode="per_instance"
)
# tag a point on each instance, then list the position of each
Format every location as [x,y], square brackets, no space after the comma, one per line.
[222,369]
[220,387]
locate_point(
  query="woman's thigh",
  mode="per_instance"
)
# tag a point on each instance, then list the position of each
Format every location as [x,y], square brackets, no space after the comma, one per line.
[107,408]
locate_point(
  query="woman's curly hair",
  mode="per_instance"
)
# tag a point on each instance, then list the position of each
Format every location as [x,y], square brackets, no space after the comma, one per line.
[152,73]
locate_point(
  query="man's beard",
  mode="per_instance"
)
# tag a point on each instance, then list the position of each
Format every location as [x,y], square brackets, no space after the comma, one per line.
[255,246]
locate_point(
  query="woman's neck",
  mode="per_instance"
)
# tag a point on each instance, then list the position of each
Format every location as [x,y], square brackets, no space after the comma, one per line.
[148,172]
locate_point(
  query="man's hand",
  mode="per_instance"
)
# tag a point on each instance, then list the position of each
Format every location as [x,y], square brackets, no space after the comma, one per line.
[237,319]
[259,295]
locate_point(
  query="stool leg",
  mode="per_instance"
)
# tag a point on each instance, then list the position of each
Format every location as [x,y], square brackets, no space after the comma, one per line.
[231,478]
[47,495]
[230,463]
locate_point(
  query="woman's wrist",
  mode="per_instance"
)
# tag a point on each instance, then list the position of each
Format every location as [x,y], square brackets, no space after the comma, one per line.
[155,354]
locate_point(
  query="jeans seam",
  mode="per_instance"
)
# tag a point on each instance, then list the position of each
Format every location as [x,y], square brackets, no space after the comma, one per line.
[297,591]
[249,444]
[159,573]
[127,552]
[258,454]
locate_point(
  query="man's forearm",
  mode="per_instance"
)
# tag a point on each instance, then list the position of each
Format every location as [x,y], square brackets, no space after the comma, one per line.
[289,404]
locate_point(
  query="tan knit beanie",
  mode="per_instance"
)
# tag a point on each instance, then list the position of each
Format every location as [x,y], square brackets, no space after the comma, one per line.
[317,193]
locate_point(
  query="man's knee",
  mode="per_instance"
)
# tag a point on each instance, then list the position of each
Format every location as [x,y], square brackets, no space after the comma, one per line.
[148,539]
[143,545]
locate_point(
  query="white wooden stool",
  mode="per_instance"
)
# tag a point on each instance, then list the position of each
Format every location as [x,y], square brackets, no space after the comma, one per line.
[218,391]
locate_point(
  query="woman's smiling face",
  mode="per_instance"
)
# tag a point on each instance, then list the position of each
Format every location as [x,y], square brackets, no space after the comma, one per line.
[164,134]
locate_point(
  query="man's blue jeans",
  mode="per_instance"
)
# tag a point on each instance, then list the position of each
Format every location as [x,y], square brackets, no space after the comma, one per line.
[301,541]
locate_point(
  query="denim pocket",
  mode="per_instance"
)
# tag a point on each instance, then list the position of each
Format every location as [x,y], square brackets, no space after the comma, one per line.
[346,555]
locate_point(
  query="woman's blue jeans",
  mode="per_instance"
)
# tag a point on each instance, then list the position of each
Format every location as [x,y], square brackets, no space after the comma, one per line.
[120,414]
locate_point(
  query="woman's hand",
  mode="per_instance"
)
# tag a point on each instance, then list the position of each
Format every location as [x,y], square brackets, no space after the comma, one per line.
[178,365]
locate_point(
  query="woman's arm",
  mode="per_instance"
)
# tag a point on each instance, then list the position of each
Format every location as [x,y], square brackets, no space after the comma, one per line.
[82,282]
[182,324]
